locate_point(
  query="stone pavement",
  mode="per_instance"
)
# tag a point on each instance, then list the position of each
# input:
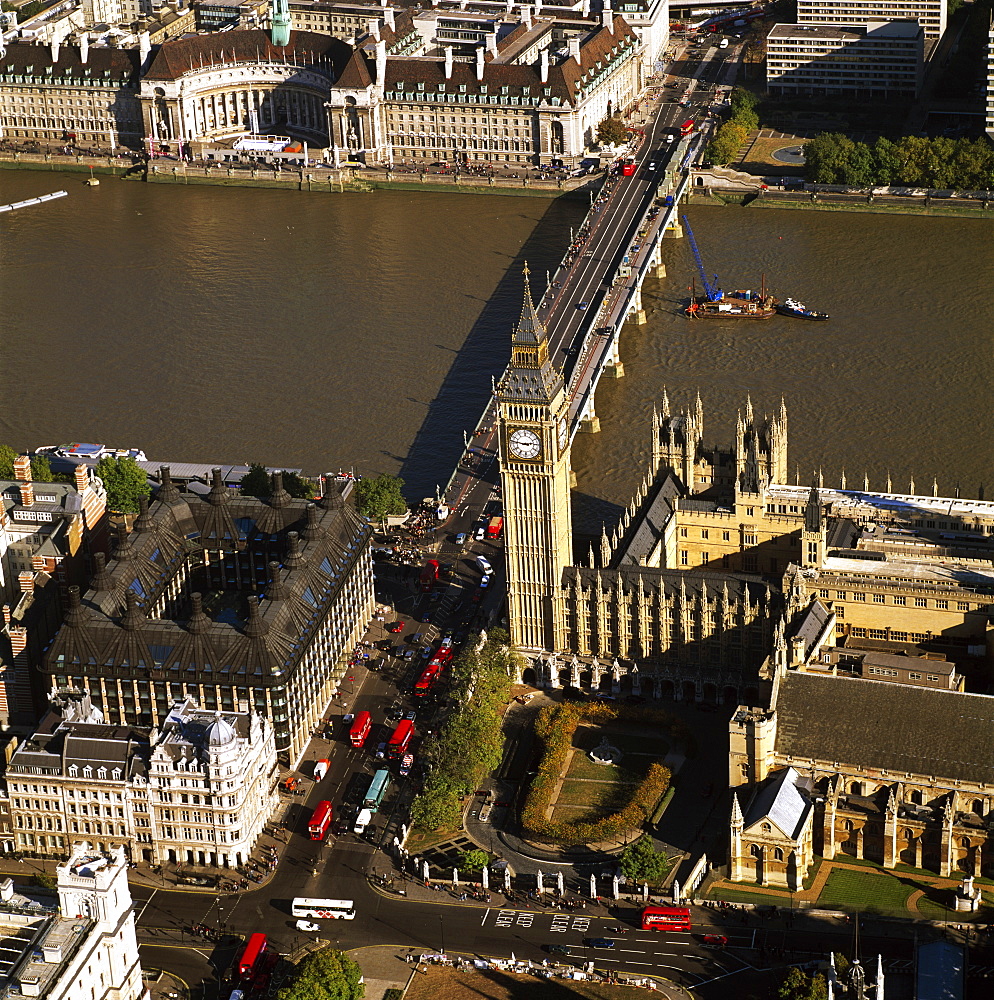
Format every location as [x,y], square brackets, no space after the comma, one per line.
[383,968]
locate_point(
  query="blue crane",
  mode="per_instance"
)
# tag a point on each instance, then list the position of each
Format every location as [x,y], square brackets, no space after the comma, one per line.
[711,291]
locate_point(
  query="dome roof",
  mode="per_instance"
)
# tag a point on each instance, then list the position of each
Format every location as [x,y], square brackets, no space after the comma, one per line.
[220,733]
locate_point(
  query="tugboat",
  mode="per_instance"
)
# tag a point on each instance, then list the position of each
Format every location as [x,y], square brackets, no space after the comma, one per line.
[792,307]
[714,303]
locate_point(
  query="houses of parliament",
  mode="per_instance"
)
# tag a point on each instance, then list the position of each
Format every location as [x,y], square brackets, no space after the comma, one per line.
[846,633]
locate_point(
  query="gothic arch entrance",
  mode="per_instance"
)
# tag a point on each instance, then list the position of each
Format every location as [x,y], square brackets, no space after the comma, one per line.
[710,694]
[667,689]
[604,684]
[528,677]
[730,696]
[586,678]
[688,691]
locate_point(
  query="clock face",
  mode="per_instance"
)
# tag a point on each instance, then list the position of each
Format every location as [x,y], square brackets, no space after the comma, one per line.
[562,433]
[525,444]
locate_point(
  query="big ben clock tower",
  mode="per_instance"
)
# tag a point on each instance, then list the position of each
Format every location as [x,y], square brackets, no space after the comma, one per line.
[534,458]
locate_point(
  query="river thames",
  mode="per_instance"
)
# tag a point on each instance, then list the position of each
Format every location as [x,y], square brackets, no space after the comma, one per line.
[217,325]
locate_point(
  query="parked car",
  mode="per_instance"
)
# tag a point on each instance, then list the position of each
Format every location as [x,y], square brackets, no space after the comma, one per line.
[559,949]
[395,627]
[307,925]
[484,564]
[381,751]
[461,538]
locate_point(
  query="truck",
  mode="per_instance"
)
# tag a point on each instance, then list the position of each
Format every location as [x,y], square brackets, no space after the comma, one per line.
[320,821]
[363,820]
[377,790]
[495,527]
[321,769]
[429,576]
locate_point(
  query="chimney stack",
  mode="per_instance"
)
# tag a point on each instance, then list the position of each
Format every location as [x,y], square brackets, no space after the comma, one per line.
[55,52]
[22,469]
[373,26]
[381,62]
[526,16]
[448,62]
[479,64]
[81,478]
[492,42]
[543,65]
[574,48]
[144,47]
[388,18]
[84,47]
[607,16]
[26,581]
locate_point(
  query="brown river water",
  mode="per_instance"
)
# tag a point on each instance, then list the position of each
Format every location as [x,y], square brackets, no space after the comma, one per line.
[208,324]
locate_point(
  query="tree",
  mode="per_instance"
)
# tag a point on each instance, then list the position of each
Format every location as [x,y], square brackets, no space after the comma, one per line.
[612,132]
[46,881]
[642,862]
[797,985]
[826,158]
[328,974]
[380,497]
[725,145]
[256,482]
[886,162]
[299,486]
[41,470]
[125,482]
[474,860]
[7,456]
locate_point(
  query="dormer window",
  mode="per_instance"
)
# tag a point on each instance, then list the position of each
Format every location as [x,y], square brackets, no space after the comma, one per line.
[441,88]
[505,90]
[87,771]
[421,86]
[73,771]
[462,88]
[483,88]
[116,773]
[547,91]
[102,773]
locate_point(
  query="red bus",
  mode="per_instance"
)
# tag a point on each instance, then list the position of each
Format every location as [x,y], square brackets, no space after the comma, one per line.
[429,576]
[320,821]
[628,168]
[252,957]
[665,918]
[442,656]
[687,128]
[401,738]
[494,527]
[427,679]
[361,726]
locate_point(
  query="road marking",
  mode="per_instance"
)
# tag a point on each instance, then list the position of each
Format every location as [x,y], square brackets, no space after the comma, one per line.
[632,951]
[581,923]
[505,918]
[525,919]
[560,923]
[485,915]
[647,940]
[640,963]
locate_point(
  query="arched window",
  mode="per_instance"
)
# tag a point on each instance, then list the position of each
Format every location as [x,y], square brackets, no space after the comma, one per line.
[767,828]
[908,834]
[756,850]
[856,788]
[778,854]
[916,798]
[849,826]
[978,807]
[965,842]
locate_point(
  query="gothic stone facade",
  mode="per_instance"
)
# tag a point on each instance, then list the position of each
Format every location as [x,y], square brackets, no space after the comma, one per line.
[877,771]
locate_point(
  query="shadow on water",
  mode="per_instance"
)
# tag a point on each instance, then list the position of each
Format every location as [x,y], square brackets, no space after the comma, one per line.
[466,389]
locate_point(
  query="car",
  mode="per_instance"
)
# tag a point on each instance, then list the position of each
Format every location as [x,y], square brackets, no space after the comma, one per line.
[559,949]
[461,538]
[481,533]
[581,306]
[484,564]
[385,645]
[426,618]
[407,762]
[395,713]
[599,943]
[409,655]
[307,925]
[411,714]
[381,751]
[484,582]
[714,940]
[395,627]
[196,880]
[416,639]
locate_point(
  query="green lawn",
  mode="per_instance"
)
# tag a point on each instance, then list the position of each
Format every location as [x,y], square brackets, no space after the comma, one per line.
[603,796]
[643,747]
[744,896]
[581,766]
[851,890]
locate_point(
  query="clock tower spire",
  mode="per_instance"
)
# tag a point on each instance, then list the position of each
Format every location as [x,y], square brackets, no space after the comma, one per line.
[533,427]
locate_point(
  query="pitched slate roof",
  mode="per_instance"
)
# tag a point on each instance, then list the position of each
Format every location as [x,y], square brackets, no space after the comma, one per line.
[310,49]
[311,550]
[113,67]
[895,727]
[781,802]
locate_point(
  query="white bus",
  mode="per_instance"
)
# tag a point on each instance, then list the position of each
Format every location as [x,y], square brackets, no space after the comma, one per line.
[324,909]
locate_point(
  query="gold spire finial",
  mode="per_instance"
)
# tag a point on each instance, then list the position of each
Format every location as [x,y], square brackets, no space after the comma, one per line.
[526,270]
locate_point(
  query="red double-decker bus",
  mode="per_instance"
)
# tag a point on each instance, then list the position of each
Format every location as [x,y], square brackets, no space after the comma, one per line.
[252,958]
[665,918]
[427,679]
[401,738]
[687,128]
[320,821]
[361,726]
[628,167]
[429,576]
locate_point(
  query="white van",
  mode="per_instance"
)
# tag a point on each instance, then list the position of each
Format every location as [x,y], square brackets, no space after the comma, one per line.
[723,44]
[484,565]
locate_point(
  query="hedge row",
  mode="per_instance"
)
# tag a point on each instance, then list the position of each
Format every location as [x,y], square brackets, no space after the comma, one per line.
[555,726]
